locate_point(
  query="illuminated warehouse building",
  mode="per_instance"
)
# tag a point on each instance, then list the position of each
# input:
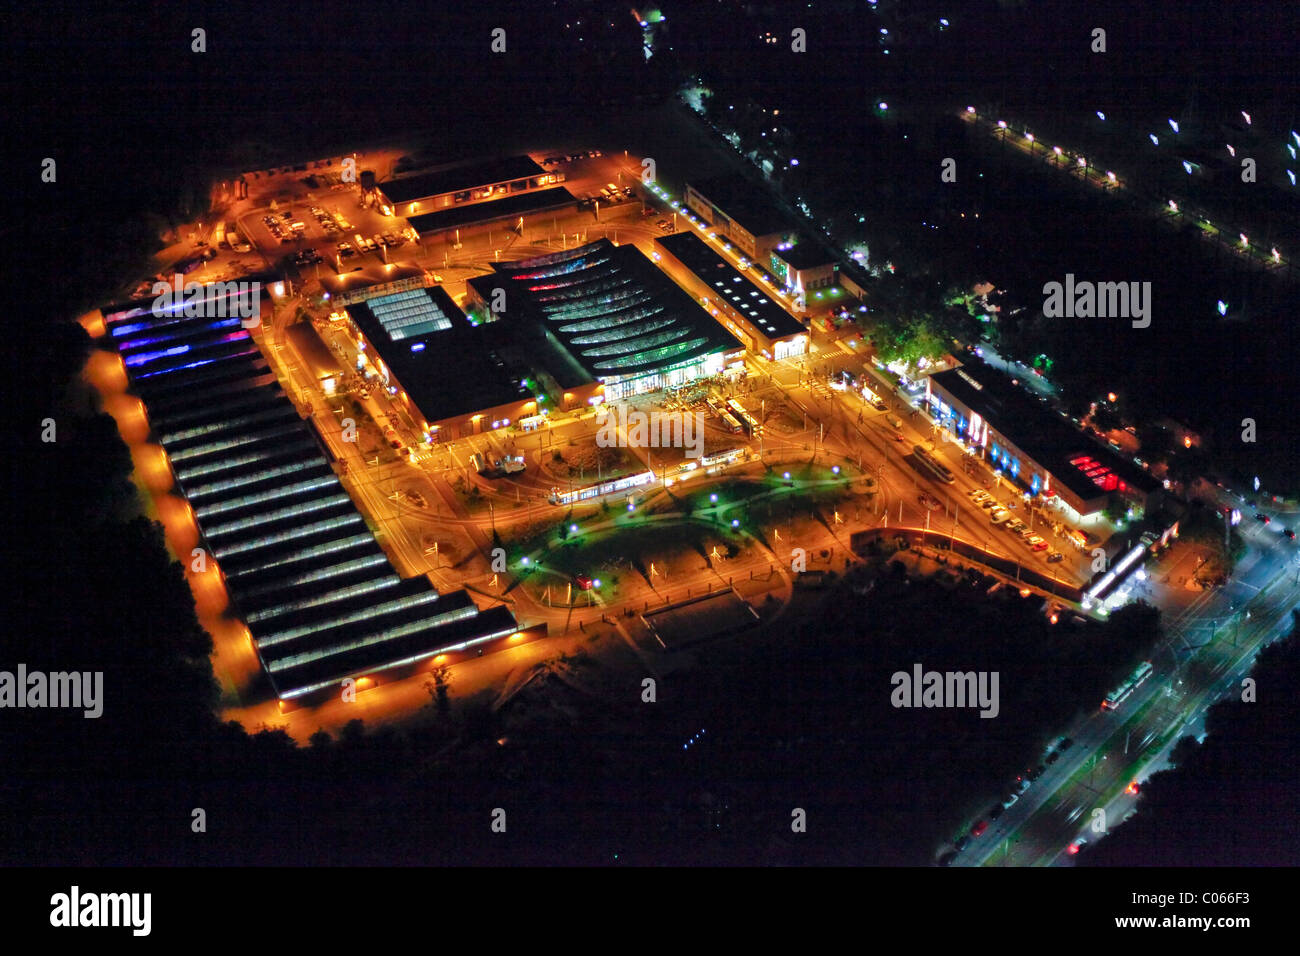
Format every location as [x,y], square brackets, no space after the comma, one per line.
[739,304]
[453,377]
[301,567]
[464,183]
[742,212]
[610,324]
[1037,448]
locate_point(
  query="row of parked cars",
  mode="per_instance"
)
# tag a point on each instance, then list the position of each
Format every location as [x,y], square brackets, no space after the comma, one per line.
[332,222]
[307,257]
[284,227]
[571,157]
[999,514]
[1022,783]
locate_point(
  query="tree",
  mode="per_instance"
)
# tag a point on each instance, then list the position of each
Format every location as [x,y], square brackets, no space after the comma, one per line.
[437,685]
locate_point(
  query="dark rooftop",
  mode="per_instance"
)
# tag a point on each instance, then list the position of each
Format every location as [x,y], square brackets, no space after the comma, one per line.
[752,207]
[805,254]
[609,309]
[447,366]
[520,204]
[747,298]
[1038,430]
[459,178]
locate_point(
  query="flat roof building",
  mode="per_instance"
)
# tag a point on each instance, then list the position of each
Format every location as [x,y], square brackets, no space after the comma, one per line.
[508,208]
[463,183]
[371,281]
[606,317]
[742,306]
[802,264]
[453,377]
[1035,446]
[739,210]
[303,570]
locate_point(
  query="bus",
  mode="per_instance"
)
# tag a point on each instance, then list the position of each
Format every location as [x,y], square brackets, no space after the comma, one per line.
[727,419]
[749,422]
[730,421]
[933,465]
[1121,693]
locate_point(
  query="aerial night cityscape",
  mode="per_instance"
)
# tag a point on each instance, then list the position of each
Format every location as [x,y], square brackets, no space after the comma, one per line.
[700,434]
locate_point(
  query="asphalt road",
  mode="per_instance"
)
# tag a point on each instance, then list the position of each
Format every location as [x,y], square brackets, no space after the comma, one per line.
[1203,654]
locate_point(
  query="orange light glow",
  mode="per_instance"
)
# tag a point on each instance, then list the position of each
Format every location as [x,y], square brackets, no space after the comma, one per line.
[208,586]
[151,468]
[106,372]
[93,323]
[178,522]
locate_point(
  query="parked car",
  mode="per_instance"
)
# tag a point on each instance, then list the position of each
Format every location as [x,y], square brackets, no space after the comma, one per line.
[979,828]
